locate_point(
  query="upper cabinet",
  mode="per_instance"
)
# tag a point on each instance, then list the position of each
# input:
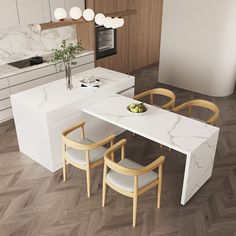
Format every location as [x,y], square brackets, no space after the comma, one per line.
[25,12]
[67,5]
[8,13]
[109,6]
[33,11]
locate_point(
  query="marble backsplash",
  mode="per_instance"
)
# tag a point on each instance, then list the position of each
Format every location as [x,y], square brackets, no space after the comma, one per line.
[26,41]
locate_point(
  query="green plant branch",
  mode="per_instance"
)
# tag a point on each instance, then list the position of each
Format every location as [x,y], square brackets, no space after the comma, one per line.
[66,52]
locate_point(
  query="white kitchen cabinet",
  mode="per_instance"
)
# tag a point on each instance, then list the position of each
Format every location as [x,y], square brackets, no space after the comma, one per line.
[4,104]
[8,14]
[5,114]
[33,11]
[31,75]
[33,83]
[74,3]
[67,5]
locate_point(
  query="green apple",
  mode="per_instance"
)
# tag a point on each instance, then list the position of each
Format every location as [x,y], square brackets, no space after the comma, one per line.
[135,110]
[132,106]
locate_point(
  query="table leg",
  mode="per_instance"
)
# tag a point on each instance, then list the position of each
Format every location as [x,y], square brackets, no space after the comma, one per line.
[198,167]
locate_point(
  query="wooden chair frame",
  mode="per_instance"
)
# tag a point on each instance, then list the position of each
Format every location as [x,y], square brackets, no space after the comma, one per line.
[201,103]
[67,142]
[109,163]
[159,91]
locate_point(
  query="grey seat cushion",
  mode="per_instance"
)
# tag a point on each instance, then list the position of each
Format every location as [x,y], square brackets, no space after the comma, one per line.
[126,182]
[79,156]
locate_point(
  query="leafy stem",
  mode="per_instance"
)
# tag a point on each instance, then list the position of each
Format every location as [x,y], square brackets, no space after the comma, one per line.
[66,52]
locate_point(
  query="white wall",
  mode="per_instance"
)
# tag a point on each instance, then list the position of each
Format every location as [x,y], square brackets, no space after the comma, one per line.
[198,45]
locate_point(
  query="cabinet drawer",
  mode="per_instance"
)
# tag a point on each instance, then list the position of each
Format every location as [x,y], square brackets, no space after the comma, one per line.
[3,83]
[21,87]
[82,68]
[31,75]
[6,114]
[83,60]
[80,61]
[4,104]
[4,93]
[76,70]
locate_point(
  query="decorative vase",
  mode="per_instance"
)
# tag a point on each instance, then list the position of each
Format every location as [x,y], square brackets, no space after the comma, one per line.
[68,75]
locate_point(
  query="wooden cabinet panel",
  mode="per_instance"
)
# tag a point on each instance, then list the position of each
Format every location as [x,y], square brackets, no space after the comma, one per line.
[8,13]
[120,61]
[144,33]
[33,11]
[108,6]
[139,40]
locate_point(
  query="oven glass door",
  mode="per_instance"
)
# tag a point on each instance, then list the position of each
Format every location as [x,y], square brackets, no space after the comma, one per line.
[105,42]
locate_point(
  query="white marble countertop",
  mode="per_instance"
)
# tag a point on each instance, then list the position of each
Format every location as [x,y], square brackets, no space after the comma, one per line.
[8,70]
[170,129]
[54,95]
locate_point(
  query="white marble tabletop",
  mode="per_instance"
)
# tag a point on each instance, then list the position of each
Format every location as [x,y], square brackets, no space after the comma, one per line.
[170,129]
[54,95]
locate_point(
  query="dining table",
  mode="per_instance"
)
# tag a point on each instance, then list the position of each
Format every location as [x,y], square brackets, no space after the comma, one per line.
[195,139]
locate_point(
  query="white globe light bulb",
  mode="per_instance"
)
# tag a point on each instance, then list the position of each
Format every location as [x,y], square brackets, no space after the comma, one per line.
[60,13]
[75,13]
[115,23]
[88,14]
[108,22]
[121,22]
[100,19]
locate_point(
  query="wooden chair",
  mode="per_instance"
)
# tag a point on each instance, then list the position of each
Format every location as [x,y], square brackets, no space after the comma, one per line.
[200,103]
[84,154]
[129,178]
[158,91]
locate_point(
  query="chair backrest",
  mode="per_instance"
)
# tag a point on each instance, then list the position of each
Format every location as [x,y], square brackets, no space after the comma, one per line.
[81,146]
[159,91]
[201,103]
[124,170]
[73,144]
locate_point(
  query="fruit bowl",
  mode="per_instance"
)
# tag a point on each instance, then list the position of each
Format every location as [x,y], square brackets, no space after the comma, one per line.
[137,108]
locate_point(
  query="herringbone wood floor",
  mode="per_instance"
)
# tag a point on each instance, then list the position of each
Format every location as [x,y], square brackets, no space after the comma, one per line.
[34,201]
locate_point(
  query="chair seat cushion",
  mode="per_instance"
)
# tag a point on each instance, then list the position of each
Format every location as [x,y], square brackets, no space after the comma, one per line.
[79,156]
[126,182]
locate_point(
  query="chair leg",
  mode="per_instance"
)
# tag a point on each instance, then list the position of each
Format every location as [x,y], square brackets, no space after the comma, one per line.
[104,192]
[158,195]
[64,170]
[88,181]
[135,202]
[104,185]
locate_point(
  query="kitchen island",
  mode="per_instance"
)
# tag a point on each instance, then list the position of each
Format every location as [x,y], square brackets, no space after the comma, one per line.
[42,113]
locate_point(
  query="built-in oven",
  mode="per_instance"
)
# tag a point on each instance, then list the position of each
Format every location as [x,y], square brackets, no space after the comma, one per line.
[106,41]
